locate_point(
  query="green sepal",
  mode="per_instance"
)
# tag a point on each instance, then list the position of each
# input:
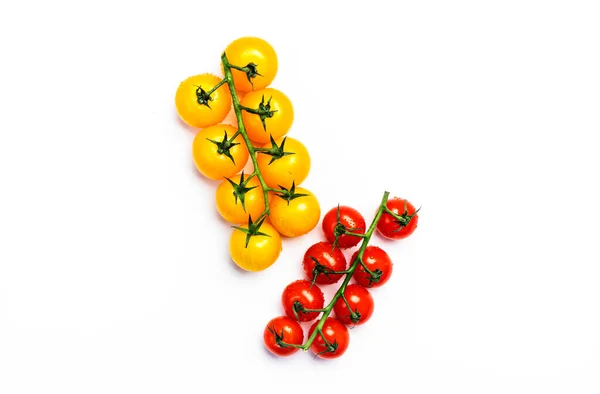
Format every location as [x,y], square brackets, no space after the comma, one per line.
[224,146]
[330,347]
[277,152]
[340,229]
[320,269]
[264,111]
[404,219]
[252,230]
[202,97]
[297,307]
[375,276]
[240,190]
[289,195]
[278,336]
[355,316]
[251,71]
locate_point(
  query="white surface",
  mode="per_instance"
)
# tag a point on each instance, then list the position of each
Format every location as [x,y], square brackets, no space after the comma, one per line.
[114,270]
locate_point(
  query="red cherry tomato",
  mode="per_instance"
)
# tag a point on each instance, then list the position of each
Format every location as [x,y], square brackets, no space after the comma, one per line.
[360,302]
[393,228]
[337,339]
[378,262]
[283,329]
[349,219]
[304,294]
[329,259]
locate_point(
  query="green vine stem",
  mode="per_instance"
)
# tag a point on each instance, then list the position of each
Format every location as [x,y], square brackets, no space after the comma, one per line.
[276,151]
[349,272]
[237,107]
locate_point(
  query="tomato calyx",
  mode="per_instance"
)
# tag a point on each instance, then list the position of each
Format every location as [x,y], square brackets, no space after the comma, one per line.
[276,152]
[202,97]
[240,189]
[320,269]
[354,314]
[279,337]
[224,146]
[263,111]
[251,71]
[374,276]
[289,194]
[297,307]
[404,219]
[329,347]
[340,229]
[253,229]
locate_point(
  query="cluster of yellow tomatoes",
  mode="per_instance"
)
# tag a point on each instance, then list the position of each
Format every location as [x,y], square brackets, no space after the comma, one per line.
[259,168]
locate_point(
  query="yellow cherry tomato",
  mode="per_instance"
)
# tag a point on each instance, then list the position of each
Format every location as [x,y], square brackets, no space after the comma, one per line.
[296,218]
[278,121]
[293,166]
[234,208]
[210,153]
[260,253]
[195,107]
[257,52]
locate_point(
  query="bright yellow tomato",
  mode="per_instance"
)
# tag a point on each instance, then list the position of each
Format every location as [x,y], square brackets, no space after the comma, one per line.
[230,207]
[277,125]
[296,218]
[262,250]
[210,157]
[190,95]
[261,54]
[288,168]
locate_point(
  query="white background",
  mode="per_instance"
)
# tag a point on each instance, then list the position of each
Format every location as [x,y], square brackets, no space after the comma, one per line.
[114,267]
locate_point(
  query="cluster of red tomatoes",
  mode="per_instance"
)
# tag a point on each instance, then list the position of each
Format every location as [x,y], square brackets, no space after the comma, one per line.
[264,202]
[324,263]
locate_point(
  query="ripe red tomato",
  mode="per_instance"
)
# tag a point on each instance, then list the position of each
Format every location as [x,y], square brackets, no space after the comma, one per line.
[350,219]
[360,302]
[305,294]
[337,339]
[283,329]
[329,259]
[393,228]
[378,262]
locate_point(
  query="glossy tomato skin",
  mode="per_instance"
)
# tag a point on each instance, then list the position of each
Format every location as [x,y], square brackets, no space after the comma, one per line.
[261,252]
[390,228]
[336,333]
[199,115]
[232,210]
[308,295]
[288,330]
[277,125]
[287,169]
[360,301]
[351,219]
[207,158]
[297,217]
[374,258]
[329,257]
[255,50]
